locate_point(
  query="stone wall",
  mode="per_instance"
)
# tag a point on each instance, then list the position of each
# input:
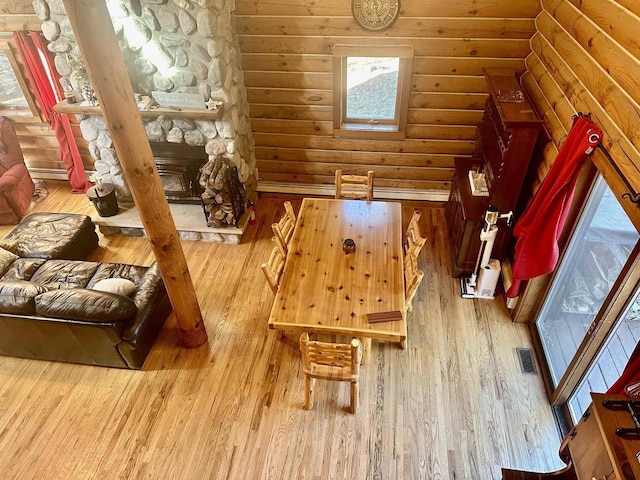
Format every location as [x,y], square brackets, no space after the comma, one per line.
[177,46]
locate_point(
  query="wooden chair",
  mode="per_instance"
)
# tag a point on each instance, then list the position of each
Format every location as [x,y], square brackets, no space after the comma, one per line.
[354,186]
[330,361]
[412,280]
[414,241]
[283,230]
[272,269]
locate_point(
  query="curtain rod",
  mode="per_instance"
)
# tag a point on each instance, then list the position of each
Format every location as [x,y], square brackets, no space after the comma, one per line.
[631,195]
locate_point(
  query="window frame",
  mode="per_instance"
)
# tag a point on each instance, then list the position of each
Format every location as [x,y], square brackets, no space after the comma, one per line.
[358,128]
[31,108]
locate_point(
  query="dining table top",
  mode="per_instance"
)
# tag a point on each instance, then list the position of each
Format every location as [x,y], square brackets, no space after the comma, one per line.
[324,289]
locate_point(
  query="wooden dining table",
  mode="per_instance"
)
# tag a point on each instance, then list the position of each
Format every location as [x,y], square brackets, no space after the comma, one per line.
[325,290]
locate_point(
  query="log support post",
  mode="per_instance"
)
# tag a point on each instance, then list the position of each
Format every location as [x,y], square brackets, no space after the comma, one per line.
[108,74]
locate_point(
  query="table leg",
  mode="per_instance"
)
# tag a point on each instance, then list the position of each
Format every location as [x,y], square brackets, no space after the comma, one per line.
[366,349]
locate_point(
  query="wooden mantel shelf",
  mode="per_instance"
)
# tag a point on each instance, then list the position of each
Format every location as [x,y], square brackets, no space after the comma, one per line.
[84,109]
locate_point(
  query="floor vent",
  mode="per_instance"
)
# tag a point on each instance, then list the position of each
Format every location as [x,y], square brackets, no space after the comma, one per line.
[527,364]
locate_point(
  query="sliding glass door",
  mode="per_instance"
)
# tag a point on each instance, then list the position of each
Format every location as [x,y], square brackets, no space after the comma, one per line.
[601,245]
[611,360]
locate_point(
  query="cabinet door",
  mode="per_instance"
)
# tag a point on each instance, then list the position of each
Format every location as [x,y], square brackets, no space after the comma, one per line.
[588,451]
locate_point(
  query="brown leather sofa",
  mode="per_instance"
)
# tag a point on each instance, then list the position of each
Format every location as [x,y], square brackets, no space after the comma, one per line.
[50,310]
[16,186]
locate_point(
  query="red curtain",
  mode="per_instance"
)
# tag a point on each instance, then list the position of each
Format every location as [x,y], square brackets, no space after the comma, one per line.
[540,226]
[631,373]
[48,92]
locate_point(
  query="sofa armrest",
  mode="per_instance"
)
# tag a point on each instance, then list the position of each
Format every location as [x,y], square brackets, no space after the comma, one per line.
[12,177]
[153,308]
[151,291]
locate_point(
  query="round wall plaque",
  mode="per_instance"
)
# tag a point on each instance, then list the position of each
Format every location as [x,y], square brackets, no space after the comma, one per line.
[375,15]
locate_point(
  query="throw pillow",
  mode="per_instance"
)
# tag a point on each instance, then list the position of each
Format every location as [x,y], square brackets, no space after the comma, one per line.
[6,259]
[121,286]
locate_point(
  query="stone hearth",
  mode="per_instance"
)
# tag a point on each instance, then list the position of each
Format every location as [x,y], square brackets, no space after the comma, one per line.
[189,220]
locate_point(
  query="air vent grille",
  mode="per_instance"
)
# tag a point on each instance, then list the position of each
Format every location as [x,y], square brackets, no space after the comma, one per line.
[527,363]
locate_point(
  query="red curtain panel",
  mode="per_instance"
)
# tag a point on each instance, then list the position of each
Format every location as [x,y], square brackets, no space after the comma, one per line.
[540,226]
[48,92]
[627,384]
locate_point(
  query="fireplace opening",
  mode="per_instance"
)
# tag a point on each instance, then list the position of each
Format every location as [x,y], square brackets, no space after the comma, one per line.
[189,176]
[179,168]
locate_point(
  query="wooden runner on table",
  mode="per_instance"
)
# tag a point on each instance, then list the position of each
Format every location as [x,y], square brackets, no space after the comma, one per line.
[391,316]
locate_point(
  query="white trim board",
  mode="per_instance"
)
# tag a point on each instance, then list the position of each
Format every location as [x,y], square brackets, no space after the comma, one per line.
[378,193]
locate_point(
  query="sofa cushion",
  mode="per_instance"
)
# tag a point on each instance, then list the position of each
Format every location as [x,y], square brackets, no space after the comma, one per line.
[121,286]
[85,304]
[22,269]
[135,273]
[18,297]
[6,259]
[65,273]
[52,235]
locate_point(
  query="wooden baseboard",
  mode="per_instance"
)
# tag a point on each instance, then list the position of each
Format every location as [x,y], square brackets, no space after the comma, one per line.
[507,280]
[378,194]
[53,174]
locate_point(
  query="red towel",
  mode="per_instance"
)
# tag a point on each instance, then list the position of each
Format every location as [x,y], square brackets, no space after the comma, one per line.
[540,226]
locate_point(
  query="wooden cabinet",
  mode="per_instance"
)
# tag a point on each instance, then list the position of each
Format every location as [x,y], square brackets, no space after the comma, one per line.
[593,450]
[504,144]
[465,215]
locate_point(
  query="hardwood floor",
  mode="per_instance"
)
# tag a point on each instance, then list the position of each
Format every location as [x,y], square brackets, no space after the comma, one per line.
[454,405]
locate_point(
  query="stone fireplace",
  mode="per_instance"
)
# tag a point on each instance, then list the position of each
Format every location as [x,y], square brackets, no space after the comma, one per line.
[175,46]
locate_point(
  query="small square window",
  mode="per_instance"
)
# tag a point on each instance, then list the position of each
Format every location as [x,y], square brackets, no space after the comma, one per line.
[371,90]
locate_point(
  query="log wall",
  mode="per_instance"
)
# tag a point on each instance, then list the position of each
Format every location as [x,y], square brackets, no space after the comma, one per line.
[287,60]
[38,141]
[586,58]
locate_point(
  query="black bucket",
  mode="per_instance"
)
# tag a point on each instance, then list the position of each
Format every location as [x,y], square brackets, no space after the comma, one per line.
[103,197]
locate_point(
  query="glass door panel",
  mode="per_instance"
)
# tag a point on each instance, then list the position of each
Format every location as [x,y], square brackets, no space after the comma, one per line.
[599,248]
[611,360]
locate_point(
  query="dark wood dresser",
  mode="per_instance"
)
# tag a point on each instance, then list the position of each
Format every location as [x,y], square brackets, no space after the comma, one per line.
[504,143]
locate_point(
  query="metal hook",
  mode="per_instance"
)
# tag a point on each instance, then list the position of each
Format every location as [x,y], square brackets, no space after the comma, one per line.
[633,198]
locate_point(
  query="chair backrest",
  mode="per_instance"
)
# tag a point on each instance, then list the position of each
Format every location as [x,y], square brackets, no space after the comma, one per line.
[354,186]
[283,230]
[272,269]
[414,241]
[336,361]
[412,280]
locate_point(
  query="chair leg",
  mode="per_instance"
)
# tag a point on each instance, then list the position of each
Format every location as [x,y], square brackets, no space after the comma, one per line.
[280,334]
[309,383]
[355,389]
[366,349]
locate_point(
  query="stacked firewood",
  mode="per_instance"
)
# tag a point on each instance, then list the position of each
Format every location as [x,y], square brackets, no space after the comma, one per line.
[223,194]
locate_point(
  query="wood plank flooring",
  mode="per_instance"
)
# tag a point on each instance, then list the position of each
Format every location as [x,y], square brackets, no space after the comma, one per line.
[454,405]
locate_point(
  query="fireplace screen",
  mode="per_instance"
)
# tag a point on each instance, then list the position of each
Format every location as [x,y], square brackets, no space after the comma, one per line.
[179,170]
